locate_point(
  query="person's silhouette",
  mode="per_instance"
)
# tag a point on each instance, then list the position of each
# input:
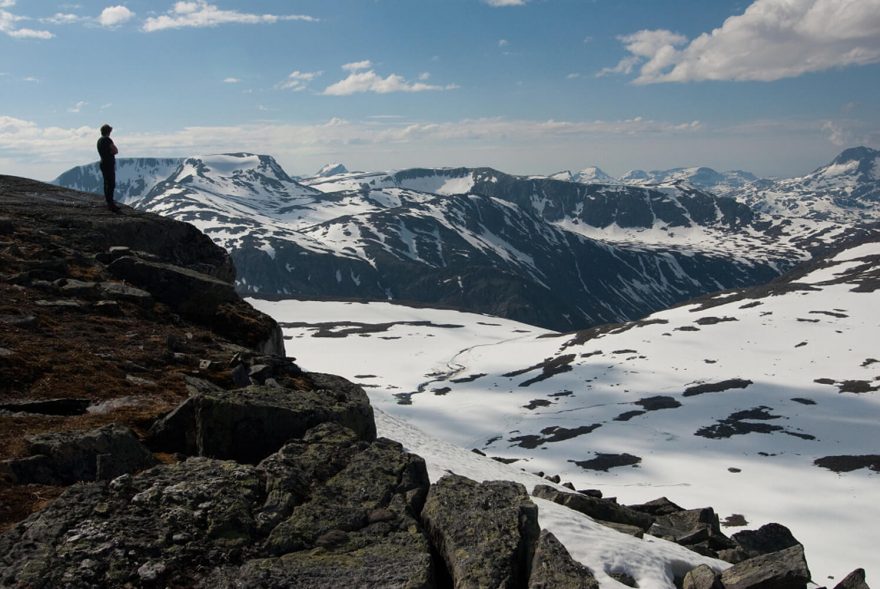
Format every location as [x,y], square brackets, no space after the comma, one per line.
[107,150]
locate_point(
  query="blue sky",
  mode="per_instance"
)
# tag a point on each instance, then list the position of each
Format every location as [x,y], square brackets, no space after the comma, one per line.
[777,87]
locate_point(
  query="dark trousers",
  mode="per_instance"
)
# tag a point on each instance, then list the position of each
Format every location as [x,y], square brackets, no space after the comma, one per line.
[109,173]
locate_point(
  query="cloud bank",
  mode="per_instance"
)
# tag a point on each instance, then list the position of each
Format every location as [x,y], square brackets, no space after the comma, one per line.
[199,13]
[771,40]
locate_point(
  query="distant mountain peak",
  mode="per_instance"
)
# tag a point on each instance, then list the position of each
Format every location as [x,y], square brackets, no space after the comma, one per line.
[860,153]
[331,170]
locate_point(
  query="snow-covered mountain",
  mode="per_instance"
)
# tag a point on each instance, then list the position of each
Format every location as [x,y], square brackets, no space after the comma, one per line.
[845,191]
[561,254]
[721,183]
[762,402]
[331,170]
[590,175]
[135,177]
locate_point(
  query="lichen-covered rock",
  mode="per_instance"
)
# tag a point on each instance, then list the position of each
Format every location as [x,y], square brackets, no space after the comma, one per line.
[554,568]
[602,509]
[327,511]
[484,532]
[786,569]
[249,424]
[203,298]
[164,525]
[702,577]
[64,458]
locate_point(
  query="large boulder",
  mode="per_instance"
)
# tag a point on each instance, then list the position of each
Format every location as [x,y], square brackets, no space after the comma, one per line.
[202,298]
[64,458]
[484,532]
[248,424]
[766,539]
[599,509]
[786,569]
[327,511]
[554,568]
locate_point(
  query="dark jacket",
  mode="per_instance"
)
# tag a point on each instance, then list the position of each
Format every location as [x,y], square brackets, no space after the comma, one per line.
[107,150]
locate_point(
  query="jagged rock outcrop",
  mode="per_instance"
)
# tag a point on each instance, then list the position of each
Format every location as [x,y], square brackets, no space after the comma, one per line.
[599,509]
[484,532]
[64,458]
[249,424]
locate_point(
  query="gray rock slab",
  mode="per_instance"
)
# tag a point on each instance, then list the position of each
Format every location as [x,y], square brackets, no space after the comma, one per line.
[786,569]
[485,532]
[554,568]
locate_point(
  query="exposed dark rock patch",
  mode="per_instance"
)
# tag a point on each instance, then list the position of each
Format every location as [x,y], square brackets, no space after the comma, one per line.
[868,362]
[687,328]
[347,328]
[803,401]
[849,463]
[857,386]
[831,314]
[535,403]
[658,402]
[627,415]
[608,461]
[717,387]
[553,434]
[561,394]
[549,367]
[714,320]
[742,423]
[469,378]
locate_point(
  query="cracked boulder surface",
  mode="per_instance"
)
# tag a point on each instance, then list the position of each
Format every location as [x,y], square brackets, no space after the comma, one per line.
[328,507]
[83,348]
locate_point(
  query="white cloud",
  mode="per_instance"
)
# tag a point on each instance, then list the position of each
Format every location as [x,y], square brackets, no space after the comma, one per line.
[199,13]
[113,16]
[358,65]
[424,76]
[76,108]
[518,146]
[359,81]
[298,81]
[503,42]
[499,3]
[232,81]
[573,76]
[771,40]
[9,24]
[63,18]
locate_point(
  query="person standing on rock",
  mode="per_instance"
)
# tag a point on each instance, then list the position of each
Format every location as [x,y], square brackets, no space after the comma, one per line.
[107,150]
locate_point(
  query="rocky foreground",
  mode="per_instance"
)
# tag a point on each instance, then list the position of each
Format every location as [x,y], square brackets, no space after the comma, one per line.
[153,434]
